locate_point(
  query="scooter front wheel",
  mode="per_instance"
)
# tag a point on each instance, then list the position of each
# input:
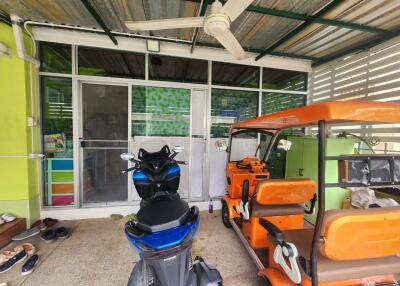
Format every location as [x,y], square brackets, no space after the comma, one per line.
[225,215]
[140,275]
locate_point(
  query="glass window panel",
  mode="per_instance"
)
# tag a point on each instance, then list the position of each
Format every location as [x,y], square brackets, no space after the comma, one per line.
[284,79]
[160,111]
[274,102]
[235,75]
[112,63]
[230,106]
[227,107]
[104,112]
[161,116]
[177,69]
[55,58]
[57,141]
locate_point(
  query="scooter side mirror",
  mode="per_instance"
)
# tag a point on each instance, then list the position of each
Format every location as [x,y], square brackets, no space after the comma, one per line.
[178,149]
[284,145]
[127,156]
[221,145]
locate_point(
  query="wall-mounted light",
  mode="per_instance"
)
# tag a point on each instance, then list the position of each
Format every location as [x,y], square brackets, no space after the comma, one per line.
[4,50]
[153,46]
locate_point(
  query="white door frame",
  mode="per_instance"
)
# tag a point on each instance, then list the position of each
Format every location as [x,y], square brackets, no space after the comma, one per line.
[79,152]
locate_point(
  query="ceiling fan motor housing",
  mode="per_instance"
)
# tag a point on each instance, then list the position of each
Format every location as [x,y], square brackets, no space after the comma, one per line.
[216,24]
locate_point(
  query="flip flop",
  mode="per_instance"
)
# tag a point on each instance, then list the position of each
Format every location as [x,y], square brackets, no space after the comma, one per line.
[8,217]
[29,248]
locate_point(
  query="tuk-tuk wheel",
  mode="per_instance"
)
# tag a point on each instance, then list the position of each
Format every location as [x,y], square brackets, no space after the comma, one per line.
[225,215]
[263,281]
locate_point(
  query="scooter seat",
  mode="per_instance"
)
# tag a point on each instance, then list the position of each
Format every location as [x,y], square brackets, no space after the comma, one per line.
[164,213]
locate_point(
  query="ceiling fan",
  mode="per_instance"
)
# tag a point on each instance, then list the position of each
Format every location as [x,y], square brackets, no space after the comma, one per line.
[216,24]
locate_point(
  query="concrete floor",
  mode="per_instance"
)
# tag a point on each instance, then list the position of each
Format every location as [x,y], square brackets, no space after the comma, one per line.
[97,253]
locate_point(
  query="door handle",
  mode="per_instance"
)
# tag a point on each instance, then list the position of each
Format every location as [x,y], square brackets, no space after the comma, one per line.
[83,143]
[301,172]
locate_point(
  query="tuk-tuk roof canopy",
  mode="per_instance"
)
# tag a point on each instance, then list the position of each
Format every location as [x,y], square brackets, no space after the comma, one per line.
[331,112]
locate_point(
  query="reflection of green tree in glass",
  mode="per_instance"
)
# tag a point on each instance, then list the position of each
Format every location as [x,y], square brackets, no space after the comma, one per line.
[229,106]
[274,102]
[166,111]
[55,58]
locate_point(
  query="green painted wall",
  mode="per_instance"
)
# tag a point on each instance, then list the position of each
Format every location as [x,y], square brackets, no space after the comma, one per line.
[19,192]
[304,155]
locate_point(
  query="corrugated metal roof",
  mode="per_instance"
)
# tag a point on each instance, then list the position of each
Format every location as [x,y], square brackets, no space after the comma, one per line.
[255,31]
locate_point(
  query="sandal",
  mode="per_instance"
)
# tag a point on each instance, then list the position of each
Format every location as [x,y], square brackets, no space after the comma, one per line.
[6,255]
[29,248]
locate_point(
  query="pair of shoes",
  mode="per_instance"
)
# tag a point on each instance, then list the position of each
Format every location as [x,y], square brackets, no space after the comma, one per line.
[29,232]
[27,268]
[14,260]
[6,217]
[51,235]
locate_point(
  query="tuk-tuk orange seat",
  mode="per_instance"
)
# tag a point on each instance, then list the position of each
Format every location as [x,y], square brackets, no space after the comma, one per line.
[279,201]
[372,247]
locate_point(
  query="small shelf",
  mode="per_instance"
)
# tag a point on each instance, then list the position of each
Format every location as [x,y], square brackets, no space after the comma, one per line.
[60,181]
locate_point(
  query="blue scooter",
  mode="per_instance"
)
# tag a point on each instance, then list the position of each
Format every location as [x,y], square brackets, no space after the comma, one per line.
[165,226]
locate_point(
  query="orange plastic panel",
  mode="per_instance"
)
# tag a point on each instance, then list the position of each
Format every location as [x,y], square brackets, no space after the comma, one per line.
[232,205]
[256,235]
[354,282]
[62,188]
[331,112]
[276,277]
[362,236]
[238,176]
[280,192]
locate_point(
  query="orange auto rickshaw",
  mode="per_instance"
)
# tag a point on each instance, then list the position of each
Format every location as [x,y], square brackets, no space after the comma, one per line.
[353,246]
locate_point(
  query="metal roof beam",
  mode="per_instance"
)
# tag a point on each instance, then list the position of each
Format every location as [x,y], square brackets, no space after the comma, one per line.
[203,10]
[99,20]
[333,4]
[361,47]
[5,18]
[305,17]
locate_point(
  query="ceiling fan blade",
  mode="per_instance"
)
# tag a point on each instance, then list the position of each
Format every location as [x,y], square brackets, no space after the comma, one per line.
[165,24]
[233,8]
[228,40]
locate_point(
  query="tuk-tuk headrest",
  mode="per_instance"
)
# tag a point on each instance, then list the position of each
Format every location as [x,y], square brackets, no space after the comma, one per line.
[353,234]
[285,191]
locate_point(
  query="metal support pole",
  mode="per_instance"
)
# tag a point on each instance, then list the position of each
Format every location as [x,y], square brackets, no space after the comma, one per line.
[321,200]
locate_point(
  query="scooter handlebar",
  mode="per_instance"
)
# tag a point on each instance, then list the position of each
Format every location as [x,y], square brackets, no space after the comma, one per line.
[181,162]
[128,170]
